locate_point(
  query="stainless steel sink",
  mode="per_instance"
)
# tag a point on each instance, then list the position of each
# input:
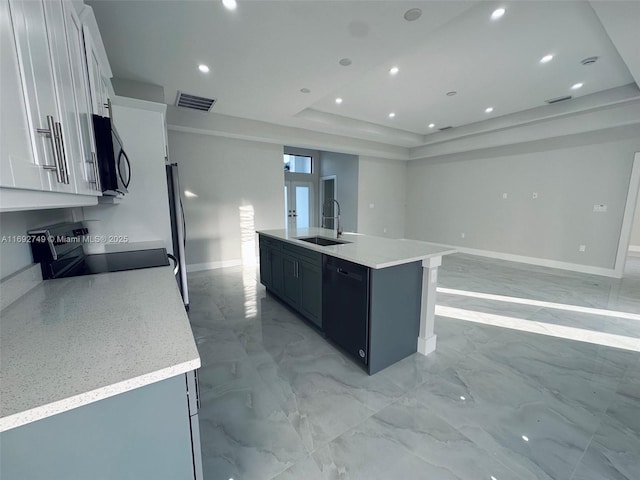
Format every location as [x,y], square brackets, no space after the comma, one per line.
[323,241]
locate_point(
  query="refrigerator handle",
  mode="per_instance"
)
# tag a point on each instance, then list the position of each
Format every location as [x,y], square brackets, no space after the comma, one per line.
[182,240]
[176,265]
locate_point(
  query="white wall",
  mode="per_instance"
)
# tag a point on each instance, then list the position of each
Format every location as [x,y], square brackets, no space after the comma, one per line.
[383,184]
[635,230]
[458,193]
[239,185]
[13,255]
[140,90]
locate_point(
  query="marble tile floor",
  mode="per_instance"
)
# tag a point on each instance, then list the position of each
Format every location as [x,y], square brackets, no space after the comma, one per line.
[280,402]
[591,308]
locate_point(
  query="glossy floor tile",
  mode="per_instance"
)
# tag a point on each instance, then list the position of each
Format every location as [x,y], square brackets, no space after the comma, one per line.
[280,402]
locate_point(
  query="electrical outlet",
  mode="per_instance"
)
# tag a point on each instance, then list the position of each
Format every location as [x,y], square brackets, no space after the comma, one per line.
[504,196]
[582,248]
[371,205]
[535,195]
[600,208]
[462,235]
[384,230]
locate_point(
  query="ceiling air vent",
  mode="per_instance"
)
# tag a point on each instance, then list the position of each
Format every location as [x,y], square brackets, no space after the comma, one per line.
[559,99]
[445,128]
[194,102]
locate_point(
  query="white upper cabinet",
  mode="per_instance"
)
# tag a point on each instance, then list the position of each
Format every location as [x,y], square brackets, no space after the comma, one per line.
[46,136]
[85,166]
[67,121]
[42,168]
[16,151]
[97,64]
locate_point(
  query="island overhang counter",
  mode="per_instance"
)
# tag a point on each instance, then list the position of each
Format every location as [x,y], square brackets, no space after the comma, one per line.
[399,274]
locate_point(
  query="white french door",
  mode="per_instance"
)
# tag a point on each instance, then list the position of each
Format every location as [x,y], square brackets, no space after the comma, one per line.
[298,204]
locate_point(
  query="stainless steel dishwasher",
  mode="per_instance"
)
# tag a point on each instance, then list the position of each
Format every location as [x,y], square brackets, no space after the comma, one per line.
[345,306]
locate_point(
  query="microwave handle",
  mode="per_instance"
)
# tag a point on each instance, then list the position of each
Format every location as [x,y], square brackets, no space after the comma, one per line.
[126,158]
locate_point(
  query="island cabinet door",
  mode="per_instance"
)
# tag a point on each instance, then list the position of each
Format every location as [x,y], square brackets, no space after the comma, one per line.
[265,266]
[310,277]
[291,292]
[277,272]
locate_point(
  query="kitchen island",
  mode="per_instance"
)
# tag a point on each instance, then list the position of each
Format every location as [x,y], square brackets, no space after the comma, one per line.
[373,296]
[94,378]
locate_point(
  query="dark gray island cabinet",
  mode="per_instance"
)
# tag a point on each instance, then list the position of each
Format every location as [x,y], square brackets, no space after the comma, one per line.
[294,274]
[372,312]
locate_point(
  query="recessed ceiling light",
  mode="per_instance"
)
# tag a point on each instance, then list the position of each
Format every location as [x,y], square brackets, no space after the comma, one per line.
[488,109]
[190,194]
[230,4]
[451,93]
[203,68]
[546,58]
[345,62]
[497,13]
[576,86]
[305,90]
[391,115]
[394,70]
[589,61]
[413,14]
[338,100]
[431,125]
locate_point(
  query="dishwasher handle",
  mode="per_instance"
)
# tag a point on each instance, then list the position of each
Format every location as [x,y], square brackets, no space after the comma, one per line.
[347,274]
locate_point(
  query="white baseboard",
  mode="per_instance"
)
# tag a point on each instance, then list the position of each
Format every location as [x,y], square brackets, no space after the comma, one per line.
[198,267]
[542,262]
[634,250]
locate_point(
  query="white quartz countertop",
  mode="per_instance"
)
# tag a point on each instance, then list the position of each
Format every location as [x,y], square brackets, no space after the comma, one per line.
[73,341]
[374,252]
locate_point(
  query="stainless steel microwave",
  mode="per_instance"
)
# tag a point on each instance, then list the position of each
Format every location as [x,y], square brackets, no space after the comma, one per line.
[113,162]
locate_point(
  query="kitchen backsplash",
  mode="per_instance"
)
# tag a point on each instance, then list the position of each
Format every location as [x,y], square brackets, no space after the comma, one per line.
[15,253]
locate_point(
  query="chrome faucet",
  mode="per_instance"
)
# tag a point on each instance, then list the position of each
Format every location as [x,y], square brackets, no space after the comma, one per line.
[330,201]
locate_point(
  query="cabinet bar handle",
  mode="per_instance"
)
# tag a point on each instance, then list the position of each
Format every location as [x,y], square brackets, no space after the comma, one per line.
[51,133]
[96,172]
[62,153]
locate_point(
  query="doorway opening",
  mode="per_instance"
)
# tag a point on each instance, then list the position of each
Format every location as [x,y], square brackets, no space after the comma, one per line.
[328,193]
[298,204]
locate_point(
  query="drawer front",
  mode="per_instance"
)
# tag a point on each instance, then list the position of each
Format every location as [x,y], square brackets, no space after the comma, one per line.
[303,253]
[270,242]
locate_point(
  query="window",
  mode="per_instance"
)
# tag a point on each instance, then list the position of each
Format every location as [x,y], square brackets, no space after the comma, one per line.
[297,163]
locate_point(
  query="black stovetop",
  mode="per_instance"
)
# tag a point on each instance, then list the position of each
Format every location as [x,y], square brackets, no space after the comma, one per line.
[109,262]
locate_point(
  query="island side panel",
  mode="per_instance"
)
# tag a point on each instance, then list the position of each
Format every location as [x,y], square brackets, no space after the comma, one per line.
[394,314]
[143,433]
[427,337]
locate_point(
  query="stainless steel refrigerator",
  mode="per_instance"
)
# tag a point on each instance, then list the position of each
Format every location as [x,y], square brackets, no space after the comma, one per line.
[178,229]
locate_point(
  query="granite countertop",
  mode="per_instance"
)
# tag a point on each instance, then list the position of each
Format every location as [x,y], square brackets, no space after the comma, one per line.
[73,341]
[374,252]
